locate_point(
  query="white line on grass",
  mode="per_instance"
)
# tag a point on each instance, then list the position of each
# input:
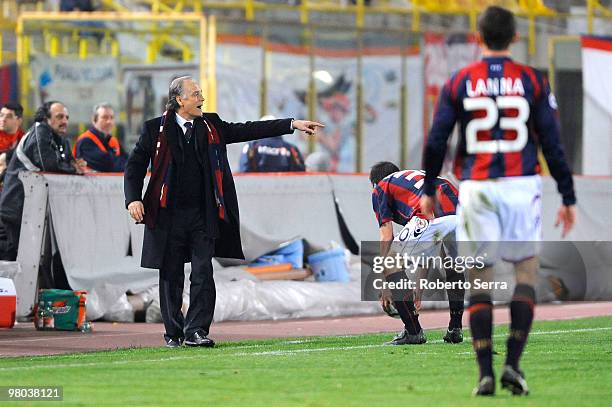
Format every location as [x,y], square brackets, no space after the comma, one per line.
[287,352]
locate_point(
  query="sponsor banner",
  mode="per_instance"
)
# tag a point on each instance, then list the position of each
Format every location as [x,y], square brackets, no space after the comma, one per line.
[78,83]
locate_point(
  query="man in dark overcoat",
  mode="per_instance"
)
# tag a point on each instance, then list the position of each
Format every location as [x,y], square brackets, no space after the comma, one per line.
[190,208]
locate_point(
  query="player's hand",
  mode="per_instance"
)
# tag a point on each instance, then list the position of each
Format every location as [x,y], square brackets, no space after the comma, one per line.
[566,216]
[386,300]
[427,205]
[307,126]
[136,210]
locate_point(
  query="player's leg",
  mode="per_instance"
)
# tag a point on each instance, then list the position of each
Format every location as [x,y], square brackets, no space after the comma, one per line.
[520,208]
[521,314]
[456,294]
[407,243]
[481,326]
[478,223]
[403,301]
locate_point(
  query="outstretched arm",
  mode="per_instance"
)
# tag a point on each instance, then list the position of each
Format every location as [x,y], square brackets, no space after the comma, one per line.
[255,130]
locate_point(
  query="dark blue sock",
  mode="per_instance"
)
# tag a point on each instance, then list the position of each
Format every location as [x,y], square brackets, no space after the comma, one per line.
[481,325]
[403,301]
[521,314]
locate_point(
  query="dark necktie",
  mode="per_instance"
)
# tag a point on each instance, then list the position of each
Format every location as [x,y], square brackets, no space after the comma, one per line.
[189,131]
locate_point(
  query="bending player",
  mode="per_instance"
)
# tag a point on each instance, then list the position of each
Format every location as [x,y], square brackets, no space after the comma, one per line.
[395,198]
[504,110]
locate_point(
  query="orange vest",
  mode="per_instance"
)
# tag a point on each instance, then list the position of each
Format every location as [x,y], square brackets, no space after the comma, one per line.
[112,143]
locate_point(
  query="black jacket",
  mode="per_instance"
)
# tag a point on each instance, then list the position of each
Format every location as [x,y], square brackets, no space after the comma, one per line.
[228,243]
[39,150]
[97,159]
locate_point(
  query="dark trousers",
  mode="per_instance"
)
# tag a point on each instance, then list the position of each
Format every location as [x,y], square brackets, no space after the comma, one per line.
[187,236]
[9,239]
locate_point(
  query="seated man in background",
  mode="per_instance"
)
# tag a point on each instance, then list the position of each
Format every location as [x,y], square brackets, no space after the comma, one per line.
[43,148]
[395,198]
[11,119]
[271,154]
[97,146]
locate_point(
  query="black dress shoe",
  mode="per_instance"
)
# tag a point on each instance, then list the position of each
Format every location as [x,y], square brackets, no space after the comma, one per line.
[199,339]
[173,342]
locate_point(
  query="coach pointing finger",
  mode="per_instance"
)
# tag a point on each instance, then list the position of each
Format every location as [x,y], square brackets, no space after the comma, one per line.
[190,208]
[306,126]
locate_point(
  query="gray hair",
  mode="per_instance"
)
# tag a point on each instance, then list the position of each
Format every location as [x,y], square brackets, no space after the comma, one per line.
[176,89]
[94,112]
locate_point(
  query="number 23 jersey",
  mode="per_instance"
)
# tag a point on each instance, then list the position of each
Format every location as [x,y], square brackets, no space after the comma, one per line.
[504,109]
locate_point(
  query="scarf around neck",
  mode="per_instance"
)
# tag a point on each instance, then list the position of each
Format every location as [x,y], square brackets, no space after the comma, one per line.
[156,196]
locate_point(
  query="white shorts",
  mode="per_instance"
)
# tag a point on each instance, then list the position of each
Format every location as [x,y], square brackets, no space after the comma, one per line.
[427,237]
[506,211]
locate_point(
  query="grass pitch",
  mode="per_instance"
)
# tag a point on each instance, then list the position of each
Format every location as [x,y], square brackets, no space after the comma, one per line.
[567,363]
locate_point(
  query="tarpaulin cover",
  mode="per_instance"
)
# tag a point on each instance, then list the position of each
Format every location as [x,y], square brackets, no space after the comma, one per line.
[94,234]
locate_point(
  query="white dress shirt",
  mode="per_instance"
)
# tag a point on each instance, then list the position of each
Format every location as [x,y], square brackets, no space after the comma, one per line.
[181,122]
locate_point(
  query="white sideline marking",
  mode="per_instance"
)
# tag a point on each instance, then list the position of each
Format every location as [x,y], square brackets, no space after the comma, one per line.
[268,353]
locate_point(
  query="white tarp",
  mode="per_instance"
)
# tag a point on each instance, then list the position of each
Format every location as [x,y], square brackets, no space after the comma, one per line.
[92,230]
[597,113]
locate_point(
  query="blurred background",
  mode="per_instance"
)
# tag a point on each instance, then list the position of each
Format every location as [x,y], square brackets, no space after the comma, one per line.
[370,69]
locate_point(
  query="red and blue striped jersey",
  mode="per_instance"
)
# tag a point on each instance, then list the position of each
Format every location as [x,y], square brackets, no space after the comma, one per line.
[504,110]
[397,197]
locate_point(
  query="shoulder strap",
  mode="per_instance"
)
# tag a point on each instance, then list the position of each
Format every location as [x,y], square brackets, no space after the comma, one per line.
[114,144]
[88,134]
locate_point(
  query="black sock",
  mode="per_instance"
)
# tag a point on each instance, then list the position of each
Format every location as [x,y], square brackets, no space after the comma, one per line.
[521,315]
[403,301]
[456,314]
[455,298]
[481,324]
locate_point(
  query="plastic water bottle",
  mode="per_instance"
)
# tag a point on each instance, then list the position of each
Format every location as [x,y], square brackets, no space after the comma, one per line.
[86,327]
[40,314]
[49,322]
